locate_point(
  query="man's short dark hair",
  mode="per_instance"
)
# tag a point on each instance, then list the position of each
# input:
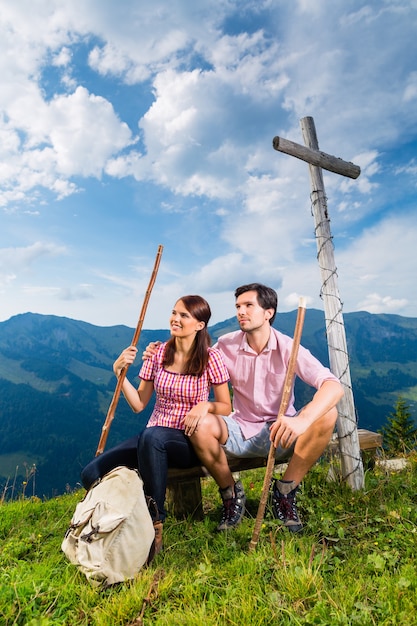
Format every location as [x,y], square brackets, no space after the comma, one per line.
[266,296]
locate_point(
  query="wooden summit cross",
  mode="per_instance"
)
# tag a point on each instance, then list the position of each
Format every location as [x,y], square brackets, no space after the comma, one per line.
[352,467]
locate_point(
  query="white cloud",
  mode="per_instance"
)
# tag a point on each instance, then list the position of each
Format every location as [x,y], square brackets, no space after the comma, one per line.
[292,301]
[374,303]
[63,57]
[222,274]
[185,148]
[409,168]
[369,164]
[81,292]
[410,92]
[85,132]
[48,143]
[16,261]
[378,269]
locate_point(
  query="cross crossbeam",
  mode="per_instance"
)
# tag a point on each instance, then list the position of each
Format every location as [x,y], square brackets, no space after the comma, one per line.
[316,157]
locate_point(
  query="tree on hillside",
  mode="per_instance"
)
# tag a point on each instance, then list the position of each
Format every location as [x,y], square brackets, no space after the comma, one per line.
[400,432]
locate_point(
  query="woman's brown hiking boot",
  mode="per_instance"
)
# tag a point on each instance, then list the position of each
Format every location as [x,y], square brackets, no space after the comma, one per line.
[158,537]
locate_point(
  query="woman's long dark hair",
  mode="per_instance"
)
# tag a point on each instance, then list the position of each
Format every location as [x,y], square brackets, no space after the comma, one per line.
[197,363]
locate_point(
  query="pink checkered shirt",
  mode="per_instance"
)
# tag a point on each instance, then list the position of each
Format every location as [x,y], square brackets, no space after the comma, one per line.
[176,394]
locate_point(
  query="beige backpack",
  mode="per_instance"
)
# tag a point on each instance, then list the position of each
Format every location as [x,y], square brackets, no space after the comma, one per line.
[111,535]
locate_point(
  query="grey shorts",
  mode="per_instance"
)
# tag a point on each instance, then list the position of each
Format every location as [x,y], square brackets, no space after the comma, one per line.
[237,446]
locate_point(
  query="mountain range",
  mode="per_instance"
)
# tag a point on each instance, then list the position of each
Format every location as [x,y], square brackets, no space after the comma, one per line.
[56,384]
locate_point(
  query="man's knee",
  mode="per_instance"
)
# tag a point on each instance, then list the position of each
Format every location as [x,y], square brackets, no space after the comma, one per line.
[331,417]
[325,424]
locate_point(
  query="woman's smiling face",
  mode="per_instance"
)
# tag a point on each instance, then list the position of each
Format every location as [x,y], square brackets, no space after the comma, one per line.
[182,323]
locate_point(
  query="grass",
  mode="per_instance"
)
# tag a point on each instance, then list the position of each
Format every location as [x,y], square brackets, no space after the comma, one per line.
[354,564]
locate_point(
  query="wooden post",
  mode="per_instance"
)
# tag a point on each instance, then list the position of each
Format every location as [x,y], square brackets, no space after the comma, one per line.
[352,467]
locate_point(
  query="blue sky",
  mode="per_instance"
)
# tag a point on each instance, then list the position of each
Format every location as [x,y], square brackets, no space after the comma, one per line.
[132,124]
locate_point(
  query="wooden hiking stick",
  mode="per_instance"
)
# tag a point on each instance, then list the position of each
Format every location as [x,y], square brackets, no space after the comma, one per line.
[286,394]
[116,395]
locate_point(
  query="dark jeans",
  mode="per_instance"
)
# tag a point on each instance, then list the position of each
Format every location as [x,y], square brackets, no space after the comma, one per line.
[151,452]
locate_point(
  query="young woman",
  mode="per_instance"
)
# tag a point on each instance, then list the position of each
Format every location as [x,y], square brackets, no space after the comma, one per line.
[181,372]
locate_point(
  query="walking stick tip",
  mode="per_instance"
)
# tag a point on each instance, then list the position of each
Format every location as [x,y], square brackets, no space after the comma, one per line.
[252,545]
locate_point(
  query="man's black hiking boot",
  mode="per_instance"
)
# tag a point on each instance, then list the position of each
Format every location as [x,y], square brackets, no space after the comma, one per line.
[284,505]
[233,506]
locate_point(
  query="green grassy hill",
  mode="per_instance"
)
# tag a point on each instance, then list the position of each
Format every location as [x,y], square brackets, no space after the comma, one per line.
[354,564]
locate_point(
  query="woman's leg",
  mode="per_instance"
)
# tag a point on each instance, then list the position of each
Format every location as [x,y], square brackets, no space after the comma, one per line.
[158,449]
[123,454]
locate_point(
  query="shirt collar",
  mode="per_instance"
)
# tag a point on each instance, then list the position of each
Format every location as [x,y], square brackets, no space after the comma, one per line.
[271,345]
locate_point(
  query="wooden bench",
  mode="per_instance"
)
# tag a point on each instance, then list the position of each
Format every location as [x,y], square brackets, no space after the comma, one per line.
[184,496]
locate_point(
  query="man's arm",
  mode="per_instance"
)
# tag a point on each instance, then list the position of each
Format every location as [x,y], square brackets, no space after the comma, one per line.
[287,429]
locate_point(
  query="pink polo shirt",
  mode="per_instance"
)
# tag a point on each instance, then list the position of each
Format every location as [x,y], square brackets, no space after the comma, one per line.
[258,379]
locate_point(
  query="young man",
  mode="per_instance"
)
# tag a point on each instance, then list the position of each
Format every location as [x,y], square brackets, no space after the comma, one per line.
[256,357]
